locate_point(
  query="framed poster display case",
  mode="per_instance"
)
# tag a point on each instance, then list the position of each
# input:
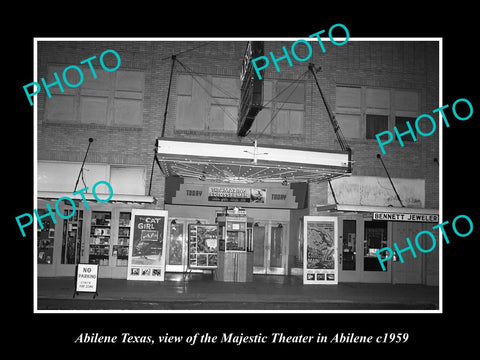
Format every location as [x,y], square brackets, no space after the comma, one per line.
[320,250]
[202,246]
[148,231]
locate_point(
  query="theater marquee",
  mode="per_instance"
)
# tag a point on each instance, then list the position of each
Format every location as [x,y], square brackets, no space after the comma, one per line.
[184,191]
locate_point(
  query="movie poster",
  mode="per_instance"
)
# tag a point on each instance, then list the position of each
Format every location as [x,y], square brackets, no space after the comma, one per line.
[146,259]
[202,246]
[320,252]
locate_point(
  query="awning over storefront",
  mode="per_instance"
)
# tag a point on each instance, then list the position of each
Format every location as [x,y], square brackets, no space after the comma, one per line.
[386,213]
[249,163]
[116,198]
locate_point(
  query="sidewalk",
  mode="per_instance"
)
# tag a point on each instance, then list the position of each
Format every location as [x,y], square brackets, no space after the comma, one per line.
[200,292]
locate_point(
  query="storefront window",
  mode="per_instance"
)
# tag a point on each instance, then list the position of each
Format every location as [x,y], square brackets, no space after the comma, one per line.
[100,238]
[276,246]
[72,237]
[299,256]
[349,244]
[121,250]
[375,239]
[45,239]
[175,245]
[259,245]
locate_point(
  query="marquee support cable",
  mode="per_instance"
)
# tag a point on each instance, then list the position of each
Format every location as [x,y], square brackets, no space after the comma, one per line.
[336,128]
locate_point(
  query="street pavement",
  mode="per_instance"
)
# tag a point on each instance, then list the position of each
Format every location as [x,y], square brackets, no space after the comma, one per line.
[266,293]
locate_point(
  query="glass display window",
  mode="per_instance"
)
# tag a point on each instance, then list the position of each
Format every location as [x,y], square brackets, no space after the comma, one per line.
[349,245]
[236,236]
[235,241]
[121,249]
[72,236]
[375,239]
[175,248]
[99,252]
[45,240]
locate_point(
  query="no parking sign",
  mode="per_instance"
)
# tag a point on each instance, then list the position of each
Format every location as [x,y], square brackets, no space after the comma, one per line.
[86,279]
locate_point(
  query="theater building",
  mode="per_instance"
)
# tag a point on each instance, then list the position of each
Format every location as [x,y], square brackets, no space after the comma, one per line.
[165,133]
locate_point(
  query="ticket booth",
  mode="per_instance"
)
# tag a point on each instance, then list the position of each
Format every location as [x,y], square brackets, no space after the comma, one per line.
[235,253]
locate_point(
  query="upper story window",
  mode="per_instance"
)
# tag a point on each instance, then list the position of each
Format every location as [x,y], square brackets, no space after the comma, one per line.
[207,103]
[211,103]
[406,109]
[113,98]
[61,176]
[284,109]
[364,112]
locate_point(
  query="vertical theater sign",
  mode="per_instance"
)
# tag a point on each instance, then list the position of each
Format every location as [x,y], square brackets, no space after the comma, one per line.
[320,263]
[251,95]
[146,259]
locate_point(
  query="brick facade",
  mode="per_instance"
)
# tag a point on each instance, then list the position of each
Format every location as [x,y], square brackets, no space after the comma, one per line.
[391,65]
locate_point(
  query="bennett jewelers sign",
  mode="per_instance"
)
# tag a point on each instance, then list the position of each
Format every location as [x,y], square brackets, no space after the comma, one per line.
[405,217]
[146,260]
[86,278]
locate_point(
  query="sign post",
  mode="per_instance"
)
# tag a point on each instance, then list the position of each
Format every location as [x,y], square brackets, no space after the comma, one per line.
[148,231]
[86,276]
[320,259]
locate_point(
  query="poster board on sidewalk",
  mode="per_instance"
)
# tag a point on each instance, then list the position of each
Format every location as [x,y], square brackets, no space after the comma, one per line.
[146,258]
[320,250]
[86,276]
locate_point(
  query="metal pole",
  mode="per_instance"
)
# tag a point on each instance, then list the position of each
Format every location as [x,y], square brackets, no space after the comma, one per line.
[151,174]
[333,192]
[336,127]
[90,140]
[168,95]
[311,68]
[391,182]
